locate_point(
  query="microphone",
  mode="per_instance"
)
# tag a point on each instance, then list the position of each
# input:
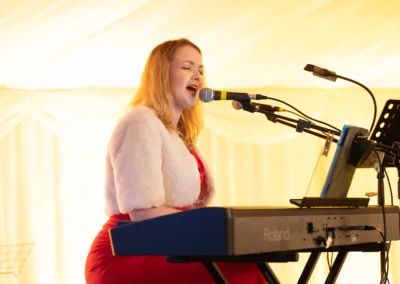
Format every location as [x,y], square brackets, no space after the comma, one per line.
[208,95]
[321,72]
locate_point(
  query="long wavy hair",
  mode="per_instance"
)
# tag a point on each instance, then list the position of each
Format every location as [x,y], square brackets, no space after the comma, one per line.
[155,92]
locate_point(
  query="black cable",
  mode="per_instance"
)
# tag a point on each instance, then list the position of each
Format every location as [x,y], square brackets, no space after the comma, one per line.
[380,232]
[327,124]
[305,118]
[389,245]
[385,274]
[390,188]
[387,257]
[299,115]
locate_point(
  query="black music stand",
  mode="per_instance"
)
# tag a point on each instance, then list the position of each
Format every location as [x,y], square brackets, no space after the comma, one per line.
[387,136]
[13,257]
[387,128]
[387,133]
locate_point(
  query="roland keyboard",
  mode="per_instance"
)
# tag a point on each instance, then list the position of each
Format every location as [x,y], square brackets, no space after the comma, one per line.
[244,231]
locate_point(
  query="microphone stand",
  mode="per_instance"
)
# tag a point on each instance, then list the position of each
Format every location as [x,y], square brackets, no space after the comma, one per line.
[300,125]
[392,157]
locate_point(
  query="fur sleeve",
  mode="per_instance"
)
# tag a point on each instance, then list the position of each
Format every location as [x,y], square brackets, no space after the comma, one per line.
[135,154]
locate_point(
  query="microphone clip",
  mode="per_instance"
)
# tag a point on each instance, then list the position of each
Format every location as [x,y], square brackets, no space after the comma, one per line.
[244,104]
[267,110]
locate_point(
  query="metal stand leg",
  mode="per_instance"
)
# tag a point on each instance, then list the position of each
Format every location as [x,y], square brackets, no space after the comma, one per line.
[216,274]
[309,268]
[267,272]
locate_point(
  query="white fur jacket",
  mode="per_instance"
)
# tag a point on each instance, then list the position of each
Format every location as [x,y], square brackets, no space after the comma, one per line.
[148,166]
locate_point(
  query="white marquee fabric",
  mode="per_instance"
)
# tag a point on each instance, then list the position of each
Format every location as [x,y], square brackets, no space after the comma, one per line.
[69,68]
[252,43]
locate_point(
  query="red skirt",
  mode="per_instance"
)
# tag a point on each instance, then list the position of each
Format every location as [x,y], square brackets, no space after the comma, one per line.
[102,267]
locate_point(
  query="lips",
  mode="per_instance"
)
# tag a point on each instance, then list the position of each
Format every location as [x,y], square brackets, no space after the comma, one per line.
[192,88]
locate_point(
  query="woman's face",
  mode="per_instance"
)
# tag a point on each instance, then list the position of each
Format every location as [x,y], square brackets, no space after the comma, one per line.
[185,77]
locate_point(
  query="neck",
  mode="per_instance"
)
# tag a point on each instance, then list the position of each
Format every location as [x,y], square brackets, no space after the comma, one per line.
[176,114]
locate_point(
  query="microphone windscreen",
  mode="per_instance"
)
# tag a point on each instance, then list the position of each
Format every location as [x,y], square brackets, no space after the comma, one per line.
[206,95]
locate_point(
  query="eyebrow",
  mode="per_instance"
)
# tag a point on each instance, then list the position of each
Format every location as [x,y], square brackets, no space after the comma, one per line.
[191,62]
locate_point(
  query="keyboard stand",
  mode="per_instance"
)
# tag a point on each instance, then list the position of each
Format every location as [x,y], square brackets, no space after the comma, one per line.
[342,252]
[261,260]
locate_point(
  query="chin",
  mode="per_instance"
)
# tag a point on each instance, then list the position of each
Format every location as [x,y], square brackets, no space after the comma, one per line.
[191,104]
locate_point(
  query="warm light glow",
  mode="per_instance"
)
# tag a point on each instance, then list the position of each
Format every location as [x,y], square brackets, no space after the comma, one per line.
[70,45]
[77,64]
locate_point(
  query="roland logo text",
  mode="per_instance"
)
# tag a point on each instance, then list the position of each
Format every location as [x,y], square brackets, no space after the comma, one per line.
[274,235]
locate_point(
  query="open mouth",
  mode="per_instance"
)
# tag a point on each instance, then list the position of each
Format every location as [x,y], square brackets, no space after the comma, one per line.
[192,89]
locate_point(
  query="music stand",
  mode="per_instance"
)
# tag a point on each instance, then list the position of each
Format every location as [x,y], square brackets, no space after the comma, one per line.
[387,135]
[387,128]
[13,257]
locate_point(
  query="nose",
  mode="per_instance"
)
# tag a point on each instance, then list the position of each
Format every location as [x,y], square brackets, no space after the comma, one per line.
[196,75]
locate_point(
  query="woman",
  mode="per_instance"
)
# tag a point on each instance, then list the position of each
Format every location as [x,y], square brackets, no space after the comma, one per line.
[153,168]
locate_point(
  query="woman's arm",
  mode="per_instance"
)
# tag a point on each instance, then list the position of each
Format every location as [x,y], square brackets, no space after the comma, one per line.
[135,151]
[143,214]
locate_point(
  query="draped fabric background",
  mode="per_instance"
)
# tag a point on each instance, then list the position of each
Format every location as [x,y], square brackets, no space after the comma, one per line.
[69,69]
[52,163]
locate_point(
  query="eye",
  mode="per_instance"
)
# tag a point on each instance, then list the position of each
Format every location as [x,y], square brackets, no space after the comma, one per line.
[192,69]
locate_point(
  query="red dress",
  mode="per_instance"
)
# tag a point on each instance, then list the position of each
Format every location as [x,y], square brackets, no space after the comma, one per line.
[102,267]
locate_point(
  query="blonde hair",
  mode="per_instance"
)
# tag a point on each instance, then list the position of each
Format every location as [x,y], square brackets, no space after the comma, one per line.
[155,92]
